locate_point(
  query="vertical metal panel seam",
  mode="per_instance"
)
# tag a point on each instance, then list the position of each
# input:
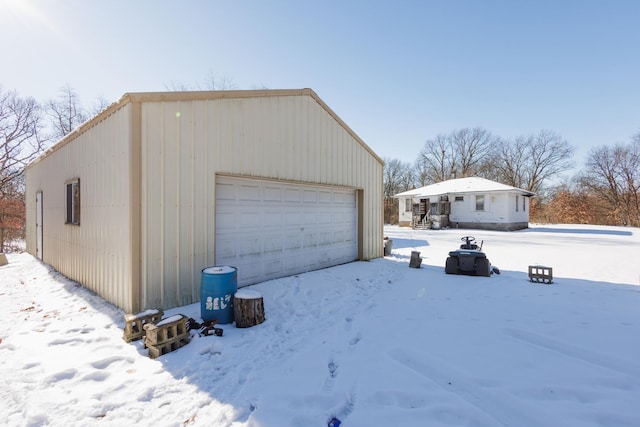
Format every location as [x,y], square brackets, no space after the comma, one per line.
[194,107]
[162,207]
[135,200]
[177,208]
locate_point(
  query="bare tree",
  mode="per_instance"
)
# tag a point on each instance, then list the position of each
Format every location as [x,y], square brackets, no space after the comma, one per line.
[613,176]
[20,143]
[459,154]
[470,149]
[434,161]
[394,171]
[216,82]
[512,162]
[211,82]
[529,161]
[398,177]
[99,106]
[21,138]
[65,112]
[174,86]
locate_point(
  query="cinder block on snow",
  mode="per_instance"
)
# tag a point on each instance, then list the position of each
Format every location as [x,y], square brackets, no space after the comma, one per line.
[167,335]
[135,323]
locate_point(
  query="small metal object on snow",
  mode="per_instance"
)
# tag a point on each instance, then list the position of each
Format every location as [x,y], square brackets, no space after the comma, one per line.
[208,327]
[388,245]
[415,261]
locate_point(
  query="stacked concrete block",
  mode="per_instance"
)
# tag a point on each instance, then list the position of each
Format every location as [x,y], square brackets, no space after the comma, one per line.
[167,335]
[540,274]
[135,323]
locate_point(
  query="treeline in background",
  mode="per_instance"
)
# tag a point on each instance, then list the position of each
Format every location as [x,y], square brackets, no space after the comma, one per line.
[604,190]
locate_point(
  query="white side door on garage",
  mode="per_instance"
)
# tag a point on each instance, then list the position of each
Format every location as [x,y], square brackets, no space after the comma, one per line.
[270,229]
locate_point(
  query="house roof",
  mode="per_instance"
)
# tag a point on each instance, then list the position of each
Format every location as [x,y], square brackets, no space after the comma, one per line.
[462,185]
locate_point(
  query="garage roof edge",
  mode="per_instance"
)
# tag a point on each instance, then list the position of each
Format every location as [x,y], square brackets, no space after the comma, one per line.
[133,97]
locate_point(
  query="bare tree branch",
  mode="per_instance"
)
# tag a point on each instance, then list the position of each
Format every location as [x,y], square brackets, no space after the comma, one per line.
[65,112]
[20,135]
[529,161]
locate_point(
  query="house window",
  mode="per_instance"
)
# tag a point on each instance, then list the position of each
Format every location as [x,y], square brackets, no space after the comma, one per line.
[408,205]
[524,204]
[480,203]
[517,201]
[73,201]
[459,199]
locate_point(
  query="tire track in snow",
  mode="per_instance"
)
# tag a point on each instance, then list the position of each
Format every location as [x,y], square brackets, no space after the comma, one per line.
[582,354]
[500,406]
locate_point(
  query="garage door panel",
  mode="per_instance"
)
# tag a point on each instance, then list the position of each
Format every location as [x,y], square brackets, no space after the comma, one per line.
[225,220]
[272,194]
[225,192]
[310,240]
[325,197]
[325,217]
[326,238]
[273,268]
[293,218]
[250,193]
[310,196]
[310,218]
[225,248]
[247,271]
[292,241]
[292,195]
[271,218]
[274,243]
[268,229]
[247,220]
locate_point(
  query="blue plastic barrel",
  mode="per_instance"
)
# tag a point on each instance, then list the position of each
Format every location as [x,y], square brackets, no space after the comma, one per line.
[218,284]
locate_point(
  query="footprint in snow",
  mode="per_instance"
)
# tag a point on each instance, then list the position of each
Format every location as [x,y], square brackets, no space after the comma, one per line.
[333,373]
[104,363]
[67,374]
[356,339]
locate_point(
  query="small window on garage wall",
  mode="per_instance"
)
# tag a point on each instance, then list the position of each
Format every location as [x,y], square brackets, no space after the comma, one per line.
[480,203]
[72,194]
[517,201]
[459,199]
[408,205]
[524,208]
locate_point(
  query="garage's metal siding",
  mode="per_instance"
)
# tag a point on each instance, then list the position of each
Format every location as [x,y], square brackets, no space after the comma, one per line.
[287,135]
[147,168]
[97,253]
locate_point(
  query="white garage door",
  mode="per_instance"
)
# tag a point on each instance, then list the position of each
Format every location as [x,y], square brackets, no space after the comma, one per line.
[270,229]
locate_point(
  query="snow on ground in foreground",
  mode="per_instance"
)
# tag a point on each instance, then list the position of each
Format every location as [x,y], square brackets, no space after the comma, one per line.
[373,343]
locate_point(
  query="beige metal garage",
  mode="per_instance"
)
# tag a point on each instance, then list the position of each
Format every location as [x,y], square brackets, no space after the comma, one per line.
[139,199]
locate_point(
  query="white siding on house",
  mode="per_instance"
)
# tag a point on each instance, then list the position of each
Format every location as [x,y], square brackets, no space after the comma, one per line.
[498,208]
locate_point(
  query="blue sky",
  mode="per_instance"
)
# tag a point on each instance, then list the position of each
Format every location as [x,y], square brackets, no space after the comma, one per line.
[398,73]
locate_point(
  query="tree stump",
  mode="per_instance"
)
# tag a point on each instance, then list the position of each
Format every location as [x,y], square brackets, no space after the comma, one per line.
[248,308]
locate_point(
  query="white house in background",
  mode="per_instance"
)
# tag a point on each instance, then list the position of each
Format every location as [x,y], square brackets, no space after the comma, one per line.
[138,200]
[465,203]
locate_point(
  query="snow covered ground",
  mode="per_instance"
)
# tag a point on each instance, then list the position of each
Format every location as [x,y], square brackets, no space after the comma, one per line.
[372,343]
